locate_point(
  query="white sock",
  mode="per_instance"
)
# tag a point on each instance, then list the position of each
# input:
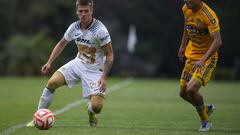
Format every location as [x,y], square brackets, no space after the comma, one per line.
[90,107]
[45,99]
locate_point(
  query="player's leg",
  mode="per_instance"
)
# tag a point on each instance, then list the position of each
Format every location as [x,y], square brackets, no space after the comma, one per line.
[96,103]
[193,91]
[185,78]
[91,91]
[184,94]
[201,79]
[95,106]
[65,75]
[53,83]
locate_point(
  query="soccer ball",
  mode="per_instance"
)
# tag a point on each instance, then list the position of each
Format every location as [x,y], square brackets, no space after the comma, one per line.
[43,119]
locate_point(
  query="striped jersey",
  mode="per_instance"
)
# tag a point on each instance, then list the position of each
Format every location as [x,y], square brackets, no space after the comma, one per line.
[89,42]
[199,26]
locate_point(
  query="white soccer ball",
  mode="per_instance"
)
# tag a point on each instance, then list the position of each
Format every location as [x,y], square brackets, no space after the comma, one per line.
[43,119]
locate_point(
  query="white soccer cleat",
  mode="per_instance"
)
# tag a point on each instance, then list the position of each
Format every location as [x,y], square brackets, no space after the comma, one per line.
[211,108]
[30,124]
[92,119]
[205,126]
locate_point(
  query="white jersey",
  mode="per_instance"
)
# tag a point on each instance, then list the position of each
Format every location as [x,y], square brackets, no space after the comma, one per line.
[89,41]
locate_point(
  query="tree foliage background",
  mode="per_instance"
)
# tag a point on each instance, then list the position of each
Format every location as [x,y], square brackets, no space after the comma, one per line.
[29,29]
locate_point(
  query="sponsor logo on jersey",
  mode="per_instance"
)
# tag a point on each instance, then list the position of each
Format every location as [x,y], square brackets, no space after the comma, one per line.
[82,40]
[194,30]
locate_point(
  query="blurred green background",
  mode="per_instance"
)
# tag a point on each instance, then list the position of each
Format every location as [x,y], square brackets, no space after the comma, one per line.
[29,29]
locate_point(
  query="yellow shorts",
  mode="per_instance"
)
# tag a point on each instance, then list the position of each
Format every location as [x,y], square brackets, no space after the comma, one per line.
[203,77]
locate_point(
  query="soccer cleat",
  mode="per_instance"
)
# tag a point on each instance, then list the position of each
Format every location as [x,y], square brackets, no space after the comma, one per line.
[92,119]
[205,126]
[211,108]
[30,124]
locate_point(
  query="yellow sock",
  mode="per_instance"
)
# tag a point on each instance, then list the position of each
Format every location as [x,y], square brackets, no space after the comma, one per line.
[206,107]
[203,114]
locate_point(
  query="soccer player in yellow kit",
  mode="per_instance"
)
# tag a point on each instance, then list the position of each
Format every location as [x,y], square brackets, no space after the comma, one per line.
[200,42]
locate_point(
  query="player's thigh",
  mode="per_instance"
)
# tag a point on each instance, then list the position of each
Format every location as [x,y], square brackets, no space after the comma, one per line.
[56,80]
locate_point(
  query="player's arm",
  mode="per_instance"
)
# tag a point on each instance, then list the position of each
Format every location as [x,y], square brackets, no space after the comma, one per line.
[108,52]
[183,44]
[217,42]
[55,53]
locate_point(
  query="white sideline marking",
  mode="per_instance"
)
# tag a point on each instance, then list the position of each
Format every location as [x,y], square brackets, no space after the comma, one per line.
[113,88]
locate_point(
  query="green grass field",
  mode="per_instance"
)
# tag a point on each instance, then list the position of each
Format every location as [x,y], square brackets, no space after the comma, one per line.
[141,107]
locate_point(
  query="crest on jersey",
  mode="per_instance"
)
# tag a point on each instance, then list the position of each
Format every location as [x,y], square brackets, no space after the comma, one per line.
[213,21]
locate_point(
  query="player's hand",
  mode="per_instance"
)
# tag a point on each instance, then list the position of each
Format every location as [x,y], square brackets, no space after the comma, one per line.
[45,68]
[198,66]
[102,84]
[181,54]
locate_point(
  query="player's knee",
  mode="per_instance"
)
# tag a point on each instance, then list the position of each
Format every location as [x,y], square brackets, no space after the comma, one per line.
[97,103]
[52,84]
[56,81]
[192,90]
[97,108]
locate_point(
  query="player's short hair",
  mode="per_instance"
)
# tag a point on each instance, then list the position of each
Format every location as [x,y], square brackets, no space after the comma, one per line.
[84,2]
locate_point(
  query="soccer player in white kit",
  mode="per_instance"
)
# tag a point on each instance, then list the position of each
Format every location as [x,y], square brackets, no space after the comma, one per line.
[91,66]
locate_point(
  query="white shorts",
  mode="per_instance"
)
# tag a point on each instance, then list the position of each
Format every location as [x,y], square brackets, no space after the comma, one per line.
[74,72]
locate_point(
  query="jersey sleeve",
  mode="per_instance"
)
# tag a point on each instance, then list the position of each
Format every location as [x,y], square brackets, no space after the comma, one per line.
[69,34]
[212,21]
[103,36]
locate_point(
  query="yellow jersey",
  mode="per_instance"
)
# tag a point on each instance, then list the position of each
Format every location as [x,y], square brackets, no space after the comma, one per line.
[199,25]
